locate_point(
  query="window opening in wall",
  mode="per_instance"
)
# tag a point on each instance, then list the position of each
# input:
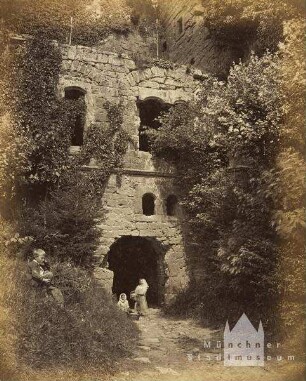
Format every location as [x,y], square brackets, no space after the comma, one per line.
[150,110]
[148,204]
[165,46]
[78,96]
[171,205]
[180,25]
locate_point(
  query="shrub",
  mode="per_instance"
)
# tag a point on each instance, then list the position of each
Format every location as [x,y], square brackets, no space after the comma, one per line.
[8,338]
[90,331]
[64,224]
[235,162]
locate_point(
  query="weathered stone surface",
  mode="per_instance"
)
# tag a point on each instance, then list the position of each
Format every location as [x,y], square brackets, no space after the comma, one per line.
[104,75]
[191,43]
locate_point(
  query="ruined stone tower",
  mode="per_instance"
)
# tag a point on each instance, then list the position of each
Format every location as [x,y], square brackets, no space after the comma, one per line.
[141,234]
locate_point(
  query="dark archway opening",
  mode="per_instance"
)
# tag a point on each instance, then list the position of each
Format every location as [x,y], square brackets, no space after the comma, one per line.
[150,110]
[78,97]
[132,258]
[171,205]
[148,204]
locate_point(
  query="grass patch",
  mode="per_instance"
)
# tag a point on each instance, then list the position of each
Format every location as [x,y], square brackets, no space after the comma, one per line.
[90,332]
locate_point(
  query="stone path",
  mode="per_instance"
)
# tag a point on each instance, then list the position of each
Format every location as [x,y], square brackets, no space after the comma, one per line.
[173,349]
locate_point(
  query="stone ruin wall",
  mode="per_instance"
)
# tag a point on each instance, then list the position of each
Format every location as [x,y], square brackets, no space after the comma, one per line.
[195,45]
[124,217]
[115,77]
[107,76]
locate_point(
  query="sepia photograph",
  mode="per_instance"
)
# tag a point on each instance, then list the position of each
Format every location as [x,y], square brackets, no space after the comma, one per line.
[152,190]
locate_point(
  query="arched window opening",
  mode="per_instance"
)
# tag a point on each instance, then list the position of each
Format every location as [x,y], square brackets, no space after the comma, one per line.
[150,110]
[171,205]
[78,114]
[148,204]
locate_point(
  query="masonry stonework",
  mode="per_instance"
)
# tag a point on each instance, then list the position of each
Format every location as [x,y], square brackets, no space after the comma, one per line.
[107,76]
[186,39]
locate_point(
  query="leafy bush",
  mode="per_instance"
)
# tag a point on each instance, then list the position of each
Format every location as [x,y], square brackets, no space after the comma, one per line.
[8,338]
[64,224]
[36,333]
[90,331]
[235,149]
[52,19]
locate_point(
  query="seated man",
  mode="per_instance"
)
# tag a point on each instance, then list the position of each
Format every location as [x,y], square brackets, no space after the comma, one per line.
[41,274]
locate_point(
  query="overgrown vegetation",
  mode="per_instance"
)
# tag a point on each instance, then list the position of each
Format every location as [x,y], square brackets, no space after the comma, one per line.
[46,195]
[239,154]
[45,188]
[81,334]
[91,22]
[41,335]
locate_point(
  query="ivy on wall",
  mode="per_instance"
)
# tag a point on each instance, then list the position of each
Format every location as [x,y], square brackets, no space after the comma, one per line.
[37,113]
[56,202]
[106,145]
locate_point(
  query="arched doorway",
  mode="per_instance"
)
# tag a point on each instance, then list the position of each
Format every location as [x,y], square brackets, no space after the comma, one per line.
[132,258]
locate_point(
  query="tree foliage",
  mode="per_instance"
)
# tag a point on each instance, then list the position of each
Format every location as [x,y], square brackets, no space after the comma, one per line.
[43,118]
[42,185]
[92,20]
[239,154]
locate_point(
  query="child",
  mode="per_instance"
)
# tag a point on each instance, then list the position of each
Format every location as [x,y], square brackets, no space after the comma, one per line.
[123,303]
[40,269]
[42,276]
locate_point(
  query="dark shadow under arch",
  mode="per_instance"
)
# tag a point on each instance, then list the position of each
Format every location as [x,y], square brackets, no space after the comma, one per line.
[132,258]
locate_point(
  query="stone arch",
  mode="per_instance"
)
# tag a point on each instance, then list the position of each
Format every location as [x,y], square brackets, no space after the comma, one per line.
[133,257]
[76,89]
[147,188]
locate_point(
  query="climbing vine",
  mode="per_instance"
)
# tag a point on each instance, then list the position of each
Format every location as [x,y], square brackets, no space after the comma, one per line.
[106,145]
[39,115]
[55,199]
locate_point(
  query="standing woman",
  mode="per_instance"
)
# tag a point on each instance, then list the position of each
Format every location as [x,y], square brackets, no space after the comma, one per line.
[141,305]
